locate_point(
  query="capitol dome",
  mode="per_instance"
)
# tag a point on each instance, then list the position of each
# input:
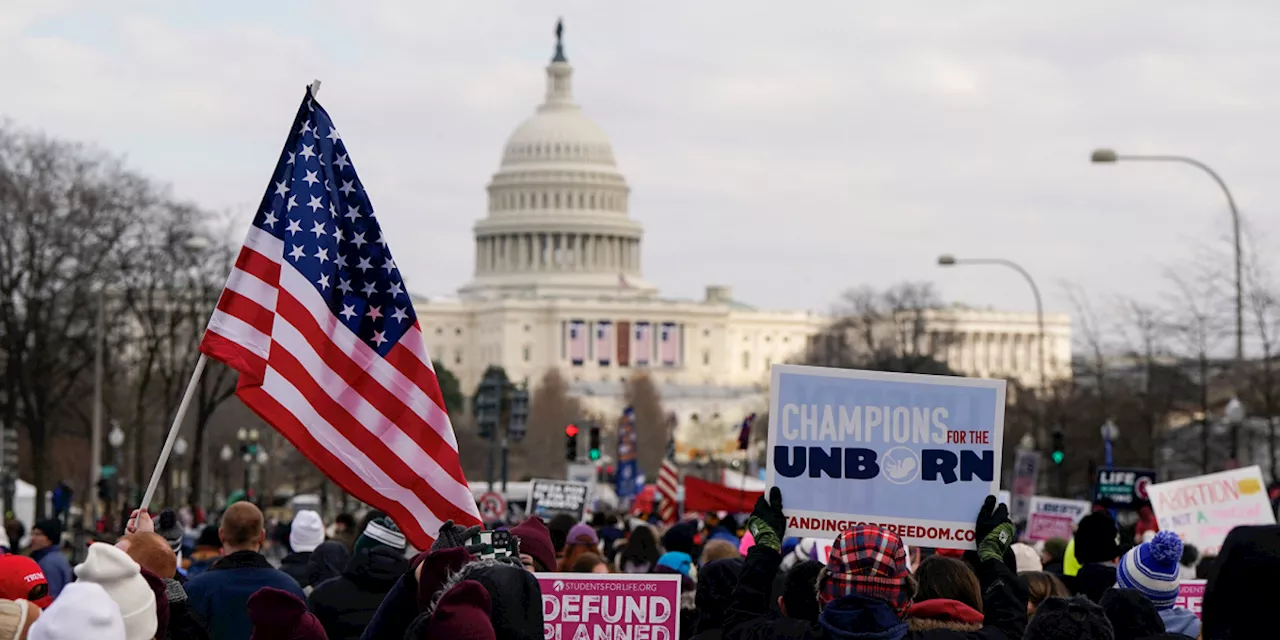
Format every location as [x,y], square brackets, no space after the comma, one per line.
[557,223]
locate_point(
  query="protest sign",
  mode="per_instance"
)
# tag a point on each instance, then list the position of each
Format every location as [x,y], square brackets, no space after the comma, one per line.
[549,498]
[1025,466]
[1054,517]
[1123,488]
[1190,595]
[1203,509]
[914,454]
[1003,497]
[582,606]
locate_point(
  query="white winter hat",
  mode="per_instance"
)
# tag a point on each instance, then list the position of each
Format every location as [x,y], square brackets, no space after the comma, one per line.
[83,610]
[1027,557]
[122,579]
[307,531]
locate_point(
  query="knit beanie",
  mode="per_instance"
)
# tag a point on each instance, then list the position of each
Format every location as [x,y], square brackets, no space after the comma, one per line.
[1152,568]
[168,527]
[677,560]
[582,533]
[680,537]
[306,532]
[1074,619]
[870,562]
[52,529]
[381,531]
[82,611]
[21,577]
[16,617]
[279,615]
[1027,557]
[1097,539]
[535,540]
[122,579]
[461,614]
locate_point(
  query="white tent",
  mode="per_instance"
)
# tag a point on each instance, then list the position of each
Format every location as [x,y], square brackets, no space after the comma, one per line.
[24,508]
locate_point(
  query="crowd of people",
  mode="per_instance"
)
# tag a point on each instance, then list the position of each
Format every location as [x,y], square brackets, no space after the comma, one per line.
[739,581]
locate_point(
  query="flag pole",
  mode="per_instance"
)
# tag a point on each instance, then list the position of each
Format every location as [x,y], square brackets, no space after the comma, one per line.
[173,432]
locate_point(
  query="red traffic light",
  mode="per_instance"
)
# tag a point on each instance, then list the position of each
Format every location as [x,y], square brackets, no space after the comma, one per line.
[571,430]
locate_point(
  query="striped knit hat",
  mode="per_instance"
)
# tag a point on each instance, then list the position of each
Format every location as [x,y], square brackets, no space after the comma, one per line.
[1152,568]
[381,531]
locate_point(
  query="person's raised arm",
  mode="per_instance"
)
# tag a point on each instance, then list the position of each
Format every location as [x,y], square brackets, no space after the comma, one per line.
[748,614]
[1004,598]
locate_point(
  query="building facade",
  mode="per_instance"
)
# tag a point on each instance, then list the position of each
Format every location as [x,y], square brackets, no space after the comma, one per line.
[559,284]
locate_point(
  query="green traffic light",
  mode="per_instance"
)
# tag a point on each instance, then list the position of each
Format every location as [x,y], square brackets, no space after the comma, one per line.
[1058,457]
[594,453]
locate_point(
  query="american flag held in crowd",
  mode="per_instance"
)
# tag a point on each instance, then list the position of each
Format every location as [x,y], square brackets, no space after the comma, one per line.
[317,320]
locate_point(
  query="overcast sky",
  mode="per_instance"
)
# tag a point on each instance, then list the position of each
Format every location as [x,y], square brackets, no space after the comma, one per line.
[789,150]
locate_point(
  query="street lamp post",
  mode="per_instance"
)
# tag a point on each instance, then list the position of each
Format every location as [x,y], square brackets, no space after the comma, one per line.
[248,439]
[1110,432]
[948,260]
[1235,415]
[116,440]
[95,436]
[1109,156]
[226,454]
[175,479]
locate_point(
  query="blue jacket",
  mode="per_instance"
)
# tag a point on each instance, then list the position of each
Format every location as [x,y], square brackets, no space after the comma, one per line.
[55,567]
[1179,620]
[221,594]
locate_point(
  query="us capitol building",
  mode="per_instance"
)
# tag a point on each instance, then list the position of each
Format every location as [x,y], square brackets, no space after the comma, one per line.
[558,283]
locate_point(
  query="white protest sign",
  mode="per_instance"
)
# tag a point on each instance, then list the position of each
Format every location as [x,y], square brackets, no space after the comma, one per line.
[1203,509]
[549,498]
[1055,517]
[913,454]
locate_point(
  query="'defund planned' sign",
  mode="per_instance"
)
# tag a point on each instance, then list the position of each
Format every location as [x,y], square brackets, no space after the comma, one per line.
[913,454]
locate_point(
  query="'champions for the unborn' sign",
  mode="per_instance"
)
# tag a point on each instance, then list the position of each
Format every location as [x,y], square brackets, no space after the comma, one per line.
[914,454]
[587,606]
[549,498]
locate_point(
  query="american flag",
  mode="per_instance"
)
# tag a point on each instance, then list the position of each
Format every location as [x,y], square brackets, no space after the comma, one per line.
[577,342]
[604,342]
[669,483]
[668,344]
[643,344]
[316,319]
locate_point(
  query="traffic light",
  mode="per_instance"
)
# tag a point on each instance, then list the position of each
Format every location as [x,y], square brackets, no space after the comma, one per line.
[1059,449]
[489,403]
[519,414]
[571,443]
[593,442]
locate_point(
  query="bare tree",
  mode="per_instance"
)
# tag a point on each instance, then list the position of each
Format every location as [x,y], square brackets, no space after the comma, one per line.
[65,210]
[651,423]
[1263,380]
[541,455]
[1199,328]
[903,328]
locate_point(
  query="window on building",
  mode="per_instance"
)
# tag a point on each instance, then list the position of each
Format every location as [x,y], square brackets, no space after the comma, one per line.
[528,353]
[768,362]
[556,200]
[457,358]
[768,338]
[706,358]
[746,360]
[526,328]
[591,201]
[439,331]
[544,200]
[458,331]
[706,333]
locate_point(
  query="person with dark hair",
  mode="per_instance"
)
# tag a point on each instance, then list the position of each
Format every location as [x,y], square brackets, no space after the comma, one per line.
[1076,618]
[640,554]
[715,586]
[208,550]
[589,563]
[1240,599]
[1042,585]
[948,596]
[559,528]
[799,599]
[1132,615]
[344,530]
[1187,564]
[46,550]
[1097,548]
[1207,568]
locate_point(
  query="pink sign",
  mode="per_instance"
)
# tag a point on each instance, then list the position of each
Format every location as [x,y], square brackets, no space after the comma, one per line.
[1043,526]
[1190,595]
[582,606]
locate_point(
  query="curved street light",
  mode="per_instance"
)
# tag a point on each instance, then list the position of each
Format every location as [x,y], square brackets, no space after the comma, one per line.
[1109,156]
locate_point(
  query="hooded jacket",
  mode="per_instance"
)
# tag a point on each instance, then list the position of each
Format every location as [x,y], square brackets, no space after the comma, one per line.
[515,598]
[297,565]
[714,590]
[1183,621]
[345,605]
[856,617]
[927,615]
[327,562]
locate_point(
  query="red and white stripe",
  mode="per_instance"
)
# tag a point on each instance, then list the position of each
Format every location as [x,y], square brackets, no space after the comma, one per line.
[668,491]
[376,426]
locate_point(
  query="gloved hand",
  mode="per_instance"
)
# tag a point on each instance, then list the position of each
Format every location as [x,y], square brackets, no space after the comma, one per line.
[994,530]
[454,535]
[767,524]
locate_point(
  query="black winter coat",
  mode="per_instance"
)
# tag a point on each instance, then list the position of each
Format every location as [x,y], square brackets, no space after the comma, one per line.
[345,605]
[1004,600]
[297,565]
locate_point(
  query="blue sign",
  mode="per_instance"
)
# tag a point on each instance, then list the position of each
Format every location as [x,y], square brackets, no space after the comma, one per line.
[628,466]
[913,454]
